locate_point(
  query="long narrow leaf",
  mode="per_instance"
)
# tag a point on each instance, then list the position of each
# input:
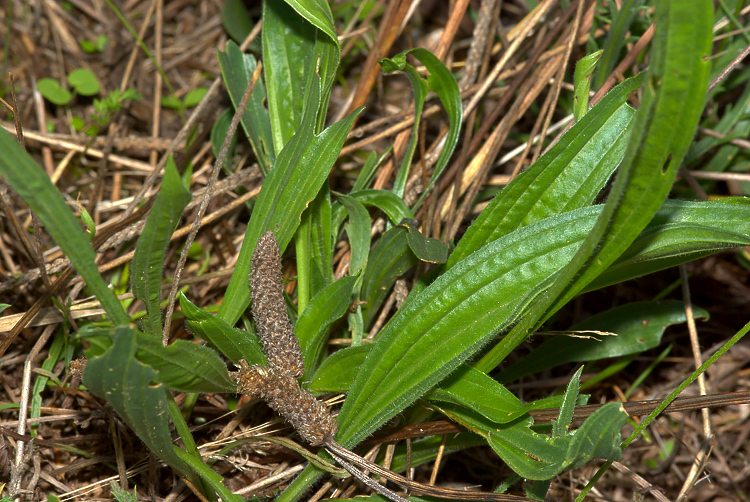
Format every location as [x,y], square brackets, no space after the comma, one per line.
[148,261]
[237,70]
[674,94]
[301,169]
[288,59]
[127,385]
[567,177]
[33,185]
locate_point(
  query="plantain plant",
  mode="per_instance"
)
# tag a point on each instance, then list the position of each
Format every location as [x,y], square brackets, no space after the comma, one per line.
[542,241]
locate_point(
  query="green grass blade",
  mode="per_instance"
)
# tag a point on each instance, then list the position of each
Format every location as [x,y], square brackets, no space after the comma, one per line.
[582,83]
[148,260]
[33,185]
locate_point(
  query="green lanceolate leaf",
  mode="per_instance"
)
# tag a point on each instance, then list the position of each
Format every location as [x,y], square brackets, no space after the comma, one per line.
[238,24]
[427,249]
[288,60]
[598,437]
[535,456]
[390,258]
[419,85]
[440,327]
[299,41]
[358,229]
[318,13]
[633,328]
[127,384]
[568,176]
[237,70]
[582,83]
[33,185]
[313,245]
[442,82]
[234,343]
[338,371]
[184,366]
[388,202]
[674,93]
[218,133]
[565,417]
[447,322]
[681,232]
[479,392]
[314,322]
[616,38]
[148,260]
[300,170]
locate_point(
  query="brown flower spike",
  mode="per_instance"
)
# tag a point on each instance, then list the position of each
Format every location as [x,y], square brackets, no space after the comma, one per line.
[269,310]
[277,384]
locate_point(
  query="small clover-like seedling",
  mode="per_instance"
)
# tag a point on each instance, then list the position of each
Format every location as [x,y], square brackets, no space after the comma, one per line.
[54,92]
[81,80]
[190,100]
[94,46]
[277,383]
[84,82]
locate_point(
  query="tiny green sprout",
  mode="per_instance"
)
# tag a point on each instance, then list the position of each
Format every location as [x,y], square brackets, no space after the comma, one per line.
[88,220]
[196,251]
[50,126]
[94,46]
[111,104]
[194,97]
[78,124]
[171,103]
